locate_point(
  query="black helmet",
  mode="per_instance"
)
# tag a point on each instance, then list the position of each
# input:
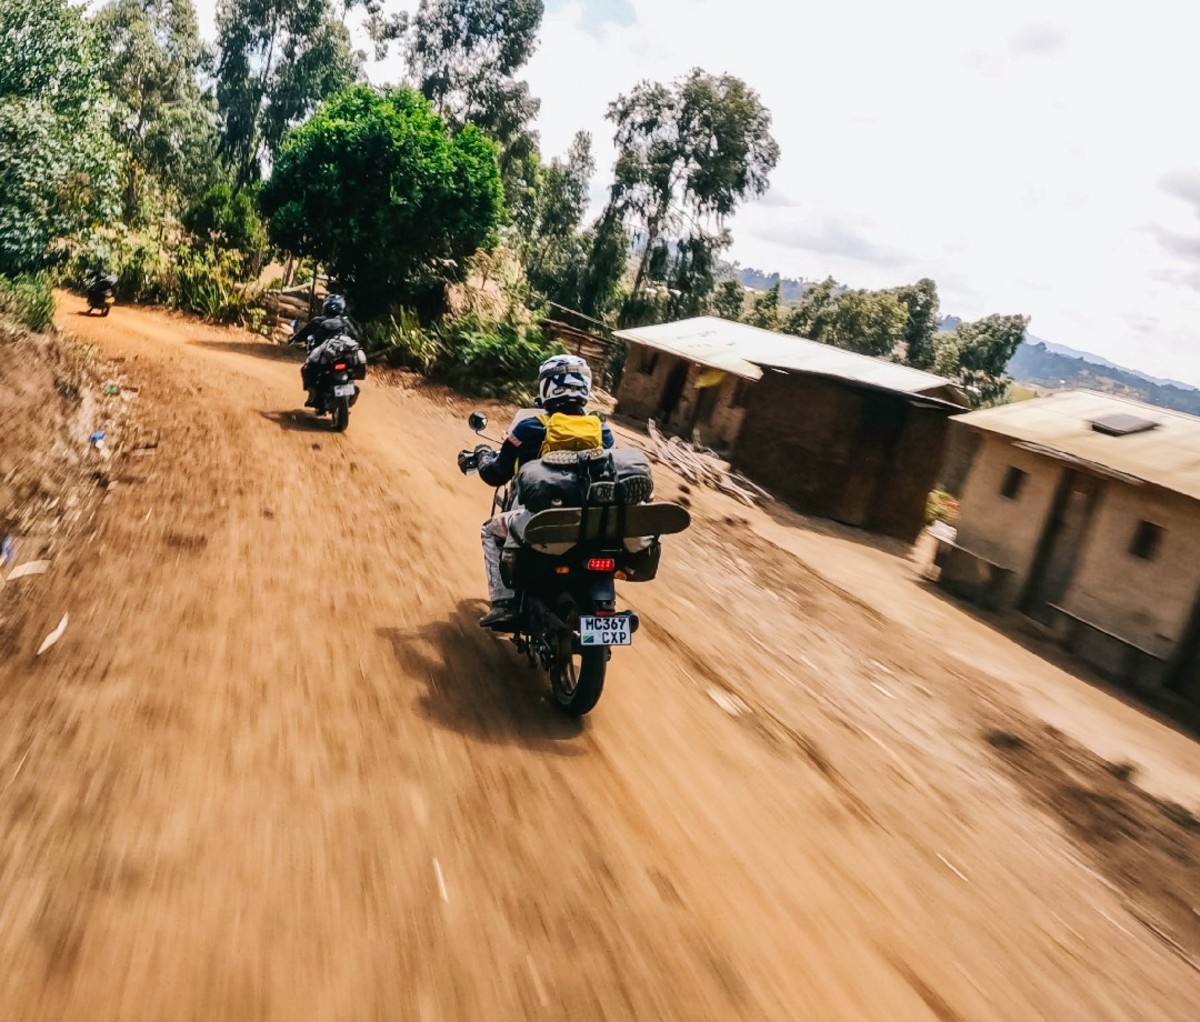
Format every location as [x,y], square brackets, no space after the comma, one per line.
[334,305]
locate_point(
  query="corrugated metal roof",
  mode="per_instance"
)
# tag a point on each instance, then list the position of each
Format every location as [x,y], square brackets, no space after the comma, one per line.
[746,350]
[707,341]
[1061,425]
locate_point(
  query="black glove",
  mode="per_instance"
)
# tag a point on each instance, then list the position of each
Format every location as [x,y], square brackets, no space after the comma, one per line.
[484,454]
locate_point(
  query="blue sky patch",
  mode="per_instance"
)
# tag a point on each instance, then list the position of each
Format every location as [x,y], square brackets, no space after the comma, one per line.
[598,13]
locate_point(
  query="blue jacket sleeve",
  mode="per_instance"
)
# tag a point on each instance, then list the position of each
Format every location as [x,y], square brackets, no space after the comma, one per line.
[520,446]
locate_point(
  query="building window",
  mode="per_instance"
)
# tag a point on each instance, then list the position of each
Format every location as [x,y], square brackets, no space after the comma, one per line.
[649,362]
[741,391]
[1014,483]
[1147,540]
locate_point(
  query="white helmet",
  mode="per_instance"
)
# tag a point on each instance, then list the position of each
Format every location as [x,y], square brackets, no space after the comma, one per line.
[562,379]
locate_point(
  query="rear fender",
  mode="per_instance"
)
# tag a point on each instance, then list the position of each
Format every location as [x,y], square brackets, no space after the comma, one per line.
[600,591]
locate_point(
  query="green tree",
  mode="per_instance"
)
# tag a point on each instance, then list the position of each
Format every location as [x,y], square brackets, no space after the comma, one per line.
[729,300]
[548,225]
[869,322]
[464,55]
[688,154]
[767,309]
[278,60]
[58,164]
[152,60]
[375,187]
[984,349]
[228,220]
[382,27]
[812,315]
[924,318]
[607,245]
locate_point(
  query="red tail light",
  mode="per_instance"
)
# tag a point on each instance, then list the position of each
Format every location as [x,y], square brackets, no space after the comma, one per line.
[602,564]
[340,367]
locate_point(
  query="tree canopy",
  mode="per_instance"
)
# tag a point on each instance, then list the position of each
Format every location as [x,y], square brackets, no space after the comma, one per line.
[688,154]
[152,63]
[375,187]
[58,162]
[984,349]
[464,56]
[278,60]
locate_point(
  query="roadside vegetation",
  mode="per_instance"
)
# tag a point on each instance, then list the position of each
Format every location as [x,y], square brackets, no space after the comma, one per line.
[207,176]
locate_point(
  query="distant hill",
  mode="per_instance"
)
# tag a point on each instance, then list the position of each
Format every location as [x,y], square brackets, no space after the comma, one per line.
[1087,356]
[1043,364]
[1038,364]
[790,289]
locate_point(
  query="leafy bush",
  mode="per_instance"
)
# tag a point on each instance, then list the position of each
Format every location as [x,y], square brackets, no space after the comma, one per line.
[256,321]
[495,359]
[941,507]
[228,220]
[141,266]
[208,283]
[401,341]
[193,278]
[28,299]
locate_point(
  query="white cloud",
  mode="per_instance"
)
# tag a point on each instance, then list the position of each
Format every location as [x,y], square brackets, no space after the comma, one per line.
[1038,38]
[1016,152]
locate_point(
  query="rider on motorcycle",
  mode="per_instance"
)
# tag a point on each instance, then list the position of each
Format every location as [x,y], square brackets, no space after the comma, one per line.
[98,279]
[560,423]
[332,324]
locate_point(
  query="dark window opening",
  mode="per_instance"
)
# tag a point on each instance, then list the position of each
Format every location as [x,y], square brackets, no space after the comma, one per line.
[648,363]
[1014,483]
[1147,540]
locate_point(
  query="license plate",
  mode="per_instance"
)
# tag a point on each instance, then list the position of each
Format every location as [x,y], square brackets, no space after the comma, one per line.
[110,300]
[605,631]
[343,390]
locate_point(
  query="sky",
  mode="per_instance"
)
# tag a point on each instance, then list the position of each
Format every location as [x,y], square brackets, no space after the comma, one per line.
[1036,156]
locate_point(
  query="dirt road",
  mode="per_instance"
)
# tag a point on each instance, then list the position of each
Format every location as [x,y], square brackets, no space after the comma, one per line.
[273,770]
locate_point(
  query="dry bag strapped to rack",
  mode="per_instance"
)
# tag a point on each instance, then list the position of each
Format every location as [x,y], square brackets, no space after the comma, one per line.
[585,479]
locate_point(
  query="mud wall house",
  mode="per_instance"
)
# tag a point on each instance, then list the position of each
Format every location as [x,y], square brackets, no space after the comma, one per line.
[831,432]
[1082,511]
[690,378]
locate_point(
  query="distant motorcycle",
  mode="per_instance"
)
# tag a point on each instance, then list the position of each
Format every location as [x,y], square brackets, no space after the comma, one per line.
[341,362]
[100,296]
[585,506]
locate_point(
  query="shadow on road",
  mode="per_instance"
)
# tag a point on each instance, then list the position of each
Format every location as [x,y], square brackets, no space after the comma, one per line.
[477,685]
[298,422]
[258,349]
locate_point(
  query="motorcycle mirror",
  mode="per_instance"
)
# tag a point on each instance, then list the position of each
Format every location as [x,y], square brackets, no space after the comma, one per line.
[477,421]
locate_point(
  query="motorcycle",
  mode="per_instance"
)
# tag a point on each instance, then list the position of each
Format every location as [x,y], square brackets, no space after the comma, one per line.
[335,391]
[100,295]
[568,561]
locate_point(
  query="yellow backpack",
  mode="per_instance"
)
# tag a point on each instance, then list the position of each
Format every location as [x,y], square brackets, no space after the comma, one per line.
[571,433]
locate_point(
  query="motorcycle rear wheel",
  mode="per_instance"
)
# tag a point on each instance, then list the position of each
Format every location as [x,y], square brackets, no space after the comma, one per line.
[578,681]
[341,414]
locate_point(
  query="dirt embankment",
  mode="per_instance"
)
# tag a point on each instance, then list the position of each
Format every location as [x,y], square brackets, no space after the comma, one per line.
[274,770]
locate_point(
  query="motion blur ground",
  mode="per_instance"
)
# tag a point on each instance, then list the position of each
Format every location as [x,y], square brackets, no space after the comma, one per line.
[274,770]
